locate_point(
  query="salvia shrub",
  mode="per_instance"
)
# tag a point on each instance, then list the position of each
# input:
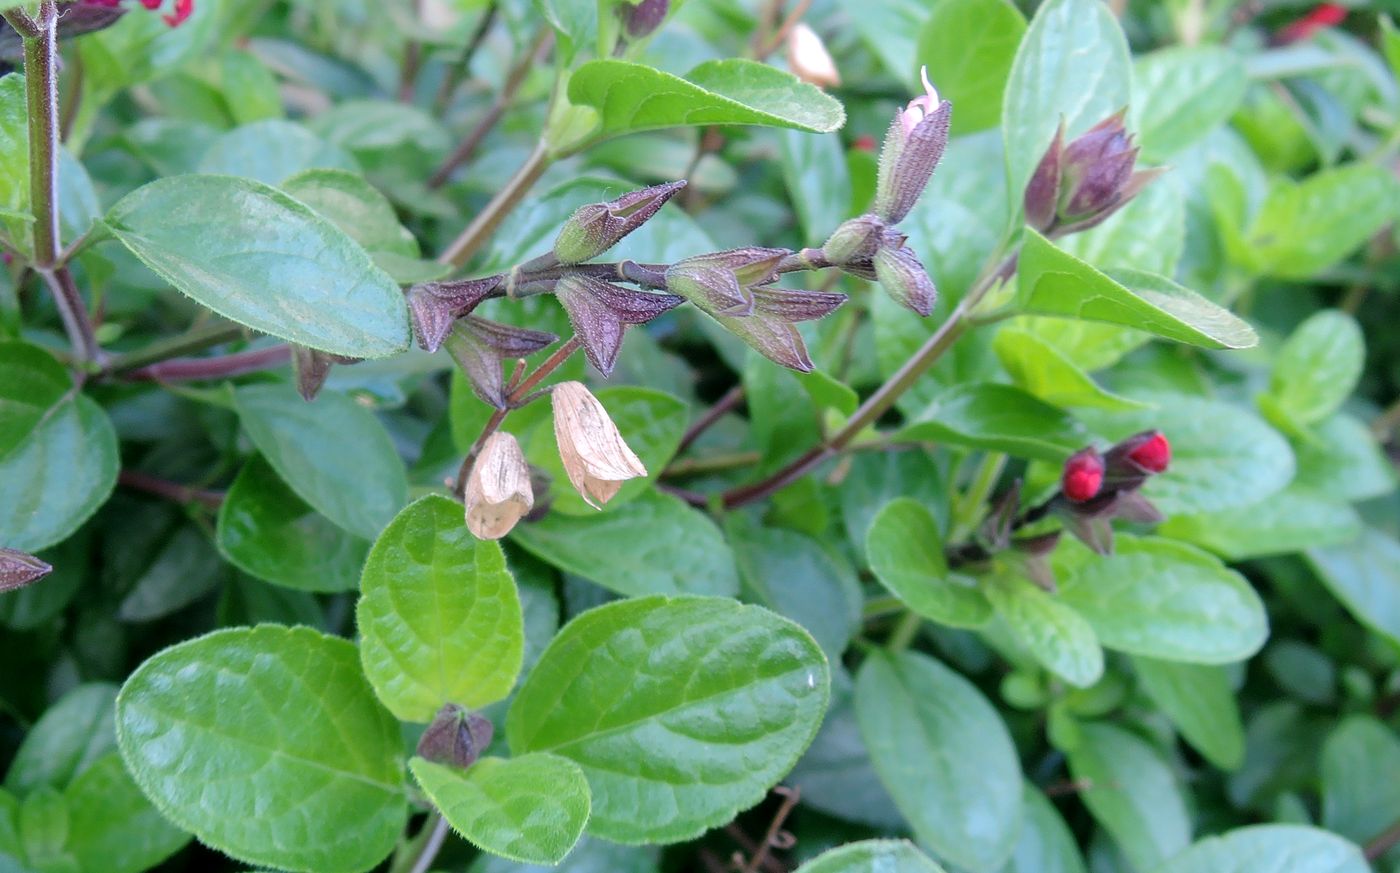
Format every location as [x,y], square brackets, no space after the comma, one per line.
[837,437]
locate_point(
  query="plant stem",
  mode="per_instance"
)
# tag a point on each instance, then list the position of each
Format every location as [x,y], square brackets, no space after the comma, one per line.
[218,367]
[433,835]
[463,62]
[905,632]
[514,79]
[967,510]
[712,464]
[194,340]
[73,312]
[169,490]
[726,404]
[1383,842]
[490,217]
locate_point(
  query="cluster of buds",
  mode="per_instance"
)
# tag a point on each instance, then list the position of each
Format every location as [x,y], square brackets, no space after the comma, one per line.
[499,490]
[1079,185]
[18,569]
[183,9]
[868,246]
[456,737]
[736,288]
[1097,487]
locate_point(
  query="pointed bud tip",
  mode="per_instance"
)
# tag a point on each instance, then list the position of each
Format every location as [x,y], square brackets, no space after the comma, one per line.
[18,569]
[456,737]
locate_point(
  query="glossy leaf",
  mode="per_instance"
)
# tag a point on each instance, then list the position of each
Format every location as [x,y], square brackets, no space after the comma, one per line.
[531,809]
[969,46]
[1200,703]
[1365,576]
[1290,521]
[681,711]
[1316,369]
[998,417]
[906,555]
[32,383]
[267,743]
[1270,847]
[72,735]
[1055,634]
[1039,368]
[439,617]
[332,452]
[1182,93]
[872,856]
[945,756]
[261,258]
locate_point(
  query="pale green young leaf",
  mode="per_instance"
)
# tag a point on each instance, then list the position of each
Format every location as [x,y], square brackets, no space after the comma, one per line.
[1041,369]
[969,46]
[530,809]
[996,417]
[271,151]
[14,144]
[268,744]
[1289,521]
[1316,369]
[1340,457]
[112,826]
[1200,703]
[1270,847]
[905,550]
[944,754]
[681,711]
[1365,576]
[1046,844]
[1182,93]
[261,258]
[1056,635]
[872,856]
[439,617]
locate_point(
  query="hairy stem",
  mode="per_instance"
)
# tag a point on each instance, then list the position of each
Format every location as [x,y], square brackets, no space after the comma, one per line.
[218,367]
[726,404]
[194,340]
[173,491]
[490,217]
[464,61]
[73,311]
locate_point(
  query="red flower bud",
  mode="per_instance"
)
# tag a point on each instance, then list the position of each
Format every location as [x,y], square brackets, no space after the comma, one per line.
[1153,454]
[1083,475]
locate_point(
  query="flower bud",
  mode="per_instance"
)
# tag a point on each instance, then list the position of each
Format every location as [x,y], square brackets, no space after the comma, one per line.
[595,457]
[1079,185]
[498,492]
[904,278]
[434,306]
[855,240]
[1042,198]
[313,367]
[720,282]
[600,313]
[913,147]
[18,569]
[642,19]
[808,58]
[479,346]
[456,737]
[597,227]
[1149,450]
[1083,475]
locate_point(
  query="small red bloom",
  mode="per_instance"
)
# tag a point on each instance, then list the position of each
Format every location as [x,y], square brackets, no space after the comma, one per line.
[1083,476]
[865,143]
[183,10]
[1154,454]
[1322,15]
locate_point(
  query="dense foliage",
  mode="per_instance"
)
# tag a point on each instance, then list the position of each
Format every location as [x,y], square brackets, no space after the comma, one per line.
[751,435]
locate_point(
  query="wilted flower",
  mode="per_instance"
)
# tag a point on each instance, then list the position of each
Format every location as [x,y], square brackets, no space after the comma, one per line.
[18,569]
[498,492]
[456,737]
[1079,185]
[913,147]
[595,457]
[600,313]
[808,58]
[479,346]
[597,227]
[434,306]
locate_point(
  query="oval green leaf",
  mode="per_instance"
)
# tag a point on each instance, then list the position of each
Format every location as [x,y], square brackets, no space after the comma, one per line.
[999,418]
[32,382]
[905,551]
[1200,703]
[1270,847]
[1053,632]
[872,856]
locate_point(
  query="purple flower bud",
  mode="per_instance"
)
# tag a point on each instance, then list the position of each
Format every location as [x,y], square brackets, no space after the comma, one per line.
[776,340]
[855,241]
[456,737]
[641,20]
[721,283]
[597,227]
[18,569]
[1043,191]
[905,279]
[312,367]
[787,305]
[600,313]
[478,346]
[1077,186]
[435,305]
[913,147]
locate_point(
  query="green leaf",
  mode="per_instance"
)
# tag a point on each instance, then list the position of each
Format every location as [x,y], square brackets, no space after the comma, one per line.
[14,145]
[1223,457]
[890,30]
[836,777]
[1315,370]
[1183,93]
[969,46]
[589,856]
[1360,799]
[1290,521]
[261,258]
[267,743]
[112,827]
[681,711]
[356,207]
[1046,844]
[332,452]
[630,97]
[1056,635]
[814,169]
[57,477]
[271,152]
[72,734]
[655,544]
[905,550]
[186,568]
[1270,847]
[1167,600]
[1200,703]
[531,809]
[1147,235]
[876,478]
[996,417]
[872,856]
[1054,282]
[1305,227]
[439,618]
[945,756]
[1041,369]
[1341,458]
[651,422]
[266,530]
[1132,793]
[249,87]
[32,382]
[1072,66]
[1365,576]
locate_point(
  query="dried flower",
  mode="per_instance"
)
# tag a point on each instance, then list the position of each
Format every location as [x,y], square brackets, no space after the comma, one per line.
[1082,478]
[600,313]
[1079,185]
[597,227]
[903,277]
[808,58]
[479,346]
[456,737]
[498,492]
[18,569]
[913,147]
[595,457]
[434,306]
